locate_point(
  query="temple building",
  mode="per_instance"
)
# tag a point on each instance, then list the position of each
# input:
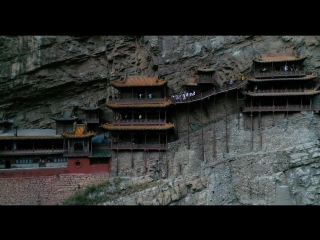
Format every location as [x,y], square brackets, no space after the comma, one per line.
[140,119]
[91,116]
[281,84]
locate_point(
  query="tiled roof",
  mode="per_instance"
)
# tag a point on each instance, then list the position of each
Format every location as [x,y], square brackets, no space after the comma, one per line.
[150,127]
[279,59]
[90,106]
[138,81]
[66,115]
[29,137]
[307,77]
[205,70]
[138,105]
[25,134]
[79,132]
[100,153]
[190,84]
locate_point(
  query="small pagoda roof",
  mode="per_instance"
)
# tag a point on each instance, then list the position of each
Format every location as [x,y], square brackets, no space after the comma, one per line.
[89,107]
[307,77]
[25,134]
[307,92]
[66,115]
[279,59]
[206,70]
[79,131]
[138,81]
[110,126]
[138,105]
[100,153]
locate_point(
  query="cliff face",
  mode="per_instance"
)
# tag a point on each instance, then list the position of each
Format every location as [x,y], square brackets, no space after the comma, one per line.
[40,75]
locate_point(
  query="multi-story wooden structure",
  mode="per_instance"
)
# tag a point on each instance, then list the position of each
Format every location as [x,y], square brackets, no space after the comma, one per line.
[204,80]
[280,84]
[65,120]
[91,116]
[140,118]
[29,148]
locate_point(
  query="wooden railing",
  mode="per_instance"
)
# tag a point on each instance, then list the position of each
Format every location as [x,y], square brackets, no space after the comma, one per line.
[209,93]
[288,73]
[147,146]
[31,151]
[138,122]
[137,100]
[286,90]
[281,108]
[92,120]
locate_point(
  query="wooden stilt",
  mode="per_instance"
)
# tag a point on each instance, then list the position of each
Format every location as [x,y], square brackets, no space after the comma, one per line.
[202,132]
[226,107]
[238,111]
[117,162]
[260,131]
[214,126]
[188,126]
[132,164]
[177,122]
[273,119]
[167,166]
[251,132]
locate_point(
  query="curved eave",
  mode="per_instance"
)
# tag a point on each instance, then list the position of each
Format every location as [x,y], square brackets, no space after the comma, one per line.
[64,119]
[151,127]
[308,77]
[205,70]
[141,105]
[284,59]
[70,135]
[282,94]
[124,84]
[28,137]
[89,109]
[190,84]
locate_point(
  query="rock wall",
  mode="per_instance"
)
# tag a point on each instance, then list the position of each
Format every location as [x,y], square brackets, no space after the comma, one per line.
[40,75]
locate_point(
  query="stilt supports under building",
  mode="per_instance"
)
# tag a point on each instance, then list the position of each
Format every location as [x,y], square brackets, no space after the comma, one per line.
[251,132]
[188,127]
[202,133]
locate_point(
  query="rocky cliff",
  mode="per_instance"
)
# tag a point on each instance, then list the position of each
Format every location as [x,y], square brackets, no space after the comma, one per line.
[278,164]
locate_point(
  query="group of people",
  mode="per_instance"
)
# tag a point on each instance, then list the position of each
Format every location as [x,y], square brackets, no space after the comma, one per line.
[292,68]
[183,96]
[141,95]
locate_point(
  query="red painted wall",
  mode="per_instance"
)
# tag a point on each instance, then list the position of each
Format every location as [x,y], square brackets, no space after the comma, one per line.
[85,166]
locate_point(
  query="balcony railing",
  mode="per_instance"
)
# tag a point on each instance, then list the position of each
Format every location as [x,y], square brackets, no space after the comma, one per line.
[139,122]
[91,120]
[137,100]
[266,74]
[280,108]
[31,151]
[130,146]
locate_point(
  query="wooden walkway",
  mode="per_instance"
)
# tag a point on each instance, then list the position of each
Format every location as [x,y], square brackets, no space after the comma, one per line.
[209,93]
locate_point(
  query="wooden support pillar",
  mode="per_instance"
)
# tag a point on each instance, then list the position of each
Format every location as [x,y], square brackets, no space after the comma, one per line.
[202,132]
[117,173]
[273,118]
[260,131]
[177,122]
[226,107]
[188,126]
[251,132]
[167,166]
[238,111]
[214,126]
[132,164]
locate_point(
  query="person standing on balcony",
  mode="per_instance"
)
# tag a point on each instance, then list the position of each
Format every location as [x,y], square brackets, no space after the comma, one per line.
[286,67]
[140,117]
[140,95]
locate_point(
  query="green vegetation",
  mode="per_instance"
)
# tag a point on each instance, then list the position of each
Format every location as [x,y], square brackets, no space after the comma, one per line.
[111,190]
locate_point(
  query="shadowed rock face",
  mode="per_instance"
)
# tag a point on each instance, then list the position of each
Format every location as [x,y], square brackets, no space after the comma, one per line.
[41,75]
